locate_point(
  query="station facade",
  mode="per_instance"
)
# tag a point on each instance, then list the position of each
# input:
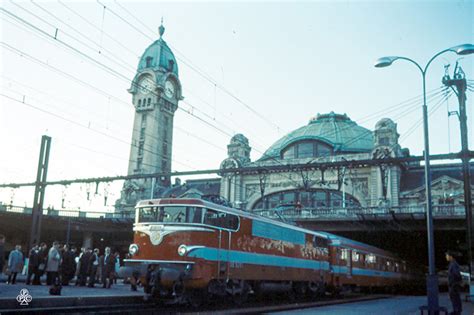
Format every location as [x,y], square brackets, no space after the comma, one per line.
[329,138]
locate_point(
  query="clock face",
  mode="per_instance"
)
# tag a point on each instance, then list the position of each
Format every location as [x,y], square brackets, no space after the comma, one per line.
[146,85]
[169,89]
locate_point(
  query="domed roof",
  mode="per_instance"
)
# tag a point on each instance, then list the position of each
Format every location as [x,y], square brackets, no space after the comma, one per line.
[336,130]
[159,55]
[239,139]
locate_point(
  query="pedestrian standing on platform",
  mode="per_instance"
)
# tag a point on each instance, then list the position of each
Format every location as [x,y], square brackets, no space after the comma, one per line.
[33,263]
[84,266]
[454,283]
[43,259]
[93,265]
[117,266]
[67,266]
[75,260]
[52,266]
[15,264]
[2,254]
[108,269]
[100,269]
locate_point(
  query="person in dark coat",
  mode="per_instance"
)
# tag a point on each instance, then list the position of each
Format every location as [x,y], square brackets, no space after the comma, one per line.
[454,283]
[33,263]
[108,268]
[84,259]
[43,259]
[93,265]
[67,265]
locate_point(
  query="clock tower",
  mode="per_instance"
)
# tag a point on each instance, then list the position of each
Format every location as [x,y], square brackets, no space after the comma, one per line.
[155,90]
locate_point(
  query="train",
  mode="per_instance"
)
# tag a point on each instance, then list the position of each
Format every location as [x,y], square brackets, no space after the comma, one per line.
[185,250]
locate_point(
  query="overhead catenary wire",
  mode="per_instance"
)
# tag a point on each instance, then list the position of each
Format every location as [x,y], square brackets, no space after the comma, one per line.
[431,111]
[413,106]
[84,126]
[47,65]
[120,76]
[135,55]
[59,32]
[192,114]
[186,89]
[204,75]
[112,121]
[278,161]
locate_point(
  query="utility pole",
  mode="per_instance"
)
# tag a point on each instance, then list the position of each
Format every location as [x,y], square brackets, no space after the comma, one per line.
[459,81]
[40,187]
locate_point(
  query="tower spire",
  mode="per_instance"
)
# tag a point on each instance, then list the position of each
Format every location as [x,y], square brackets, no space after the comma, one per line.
[161,29]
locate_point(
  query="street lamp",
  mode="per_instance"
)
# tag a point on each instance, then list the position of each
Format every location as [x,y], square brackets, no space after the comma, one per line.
[432,281]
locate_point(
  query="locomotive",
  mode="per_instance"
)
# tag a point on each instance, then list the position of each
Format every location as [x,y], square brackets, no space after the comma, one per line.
[187,249]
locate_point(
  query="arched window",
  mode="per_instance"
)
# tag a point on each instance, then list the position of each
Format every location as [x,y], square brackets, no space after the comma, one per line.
[149,102]
[139,103]
[314,198]
[306,149]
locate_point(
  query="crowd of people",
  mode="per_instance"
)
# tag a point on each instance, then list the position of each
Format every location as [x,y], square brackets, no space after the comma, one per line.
[62,265]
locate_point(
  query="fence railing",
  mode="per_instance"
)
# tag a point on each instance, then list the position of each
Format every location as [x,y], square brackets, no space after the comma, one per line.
[354,213]
[71,213]
[457,211]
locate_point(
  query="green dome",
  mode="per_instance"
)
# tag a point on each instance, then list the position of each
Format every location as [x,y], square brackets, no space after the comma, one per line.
[158,55]
[338,131]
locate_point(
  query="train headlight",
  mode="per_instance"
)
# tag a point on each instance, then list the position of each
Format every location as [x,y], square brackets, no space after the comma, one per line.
[133,249]
[182,250]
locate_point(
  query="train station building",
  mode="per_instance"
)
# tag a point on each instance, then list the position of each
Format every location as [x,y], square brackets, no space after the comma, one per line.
[329,138]
[326,139]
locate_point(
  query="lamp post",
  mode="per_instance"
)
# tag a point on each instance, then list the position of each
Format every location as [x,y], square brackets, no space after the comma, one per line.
[432,281]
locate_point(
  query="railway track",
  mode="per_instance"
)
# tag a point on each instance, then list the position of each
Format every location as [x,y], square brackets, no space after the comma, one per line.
[255,307]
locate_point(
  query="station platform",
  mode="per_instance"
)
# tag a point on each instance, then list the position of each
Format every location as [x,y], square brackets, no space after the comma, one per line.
[13,298]
[397,305]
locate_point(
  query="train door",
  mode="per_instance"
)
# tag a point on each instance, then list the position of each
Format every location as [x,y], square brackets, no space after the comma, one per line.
[334,268]
[223,254]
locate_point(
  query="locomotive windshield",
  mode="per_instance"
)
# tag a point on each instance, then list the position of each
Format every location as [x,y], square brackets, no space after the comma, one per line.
[186,214]
[173,214]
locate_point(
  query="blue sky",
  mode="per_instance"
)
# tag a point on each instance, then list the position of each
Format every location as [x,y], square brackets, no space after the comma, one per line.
[287,61]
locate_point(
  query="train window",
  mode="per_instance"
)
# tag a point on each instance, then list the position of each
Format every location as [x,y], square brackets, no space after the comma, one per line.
[193,215]
[343,254]
[221,219]
[147,214]
[320,242]
[370,259]
[355,256]
[179,214]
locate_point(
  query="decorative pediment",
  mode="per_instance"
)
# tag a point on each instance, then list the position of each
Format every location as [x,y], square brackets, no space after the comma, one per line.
[442,186]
